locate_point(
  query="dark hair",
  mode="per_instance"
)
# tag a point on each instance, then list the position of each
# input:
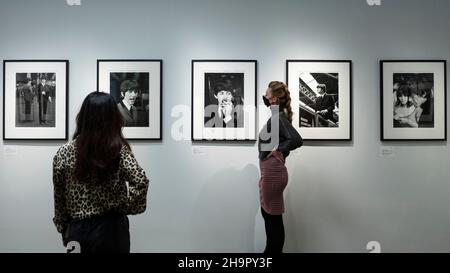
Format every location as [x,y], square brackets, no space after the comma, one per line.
[221,86]
[322,86]
[98,138]
[404,90]
[129,85]
[281,92]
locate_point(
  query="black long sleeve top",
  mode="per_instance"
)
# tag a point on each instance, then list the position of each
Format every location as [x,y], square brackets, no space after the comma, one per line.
[288,137]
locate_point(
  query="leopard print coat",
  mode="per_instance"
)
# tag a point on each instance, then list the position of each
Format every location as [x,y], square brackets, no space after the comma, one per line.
[126,192]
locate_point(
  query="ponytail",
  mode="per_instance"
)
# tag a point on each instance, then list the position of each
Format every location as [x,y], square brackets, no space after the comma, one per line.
[281,92]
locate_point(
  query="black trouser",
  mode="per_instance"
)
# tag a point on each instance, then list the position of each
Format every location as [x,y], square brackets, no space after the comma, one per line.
[42,104]
[27,107]
[44,108]
[274,232]
[100,234]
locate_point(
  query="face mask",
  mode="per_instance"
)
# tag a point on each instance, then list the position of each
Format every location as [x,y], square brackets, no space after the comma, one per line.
[266,101]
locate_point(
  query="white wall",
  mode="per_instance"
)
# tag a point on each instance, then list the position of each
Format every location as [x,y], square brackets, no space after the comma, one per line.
[339,197]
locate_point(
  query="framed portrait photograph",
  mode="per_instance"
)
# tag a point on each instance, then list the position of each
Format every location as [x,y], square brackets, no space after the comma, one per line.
[136,86]
[413,100]
[321,93]
[35,99]
[224,100]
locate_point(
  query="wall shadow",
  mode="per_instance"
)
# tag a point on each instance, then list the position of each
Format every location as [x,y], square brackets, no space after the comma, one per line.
[223,218]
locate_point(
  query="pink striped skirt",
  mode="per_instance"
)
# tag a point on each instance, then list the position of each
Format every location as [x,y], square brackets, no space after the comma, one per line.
[273,181]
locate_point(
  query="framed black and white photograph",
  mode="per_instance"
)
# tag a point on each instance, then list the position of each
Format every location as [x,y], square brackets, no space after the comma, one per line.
[136,86]
[321,93]
[413,100]
[35,98]
[224,100]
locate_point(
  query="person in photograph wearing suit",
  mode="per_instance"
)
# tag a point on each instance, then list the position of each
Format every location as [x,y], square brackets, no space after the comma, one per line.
[227,113]
[134,116]
[324,105]
[43,93]
[28,97]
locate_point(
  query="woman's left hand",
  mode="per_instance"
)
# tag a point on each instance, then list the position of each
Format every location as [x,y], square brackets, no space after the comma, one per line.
[277,154]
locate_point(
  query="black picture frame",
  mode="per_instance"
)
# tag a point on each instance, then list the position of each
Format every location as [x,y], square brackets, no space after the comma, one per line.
[254,103]
[159,92]
[383,81]
[349,132]
[6,116]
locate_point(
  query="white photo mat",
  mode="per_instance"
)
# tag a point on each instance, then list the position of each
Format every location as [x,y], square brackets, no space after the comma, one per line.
[105,68]
[248,132]
[438,70]
[59,132]
[295,68]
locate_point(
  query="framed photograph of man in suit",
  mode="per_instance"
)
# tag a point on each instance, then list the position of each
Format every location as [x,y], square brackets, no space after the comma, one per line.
[136,87]
[223,100]
[35,99]
[321,93]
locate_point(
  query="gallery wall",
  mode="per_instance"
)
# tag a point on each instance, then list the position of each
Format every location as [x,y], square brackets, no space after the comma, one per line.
[204,197]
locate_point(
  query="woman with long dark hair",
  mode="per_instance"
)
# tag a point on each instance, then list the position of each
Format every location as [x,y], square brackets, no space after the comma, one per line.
[276,140]
[406,113]
[97,180]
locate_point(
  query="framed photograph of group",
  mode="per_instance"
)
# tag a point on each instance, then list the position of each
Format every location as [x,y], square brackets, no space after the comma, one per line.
[223,100]
[321,93]
[35,99]
[136,85]
[413,100]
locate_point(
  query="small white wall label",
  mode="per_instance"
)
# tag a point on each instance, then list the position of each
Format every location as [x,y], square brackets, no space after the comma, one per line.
[10,151]
[373,2]
[387,151]
[73,2]
[198,150]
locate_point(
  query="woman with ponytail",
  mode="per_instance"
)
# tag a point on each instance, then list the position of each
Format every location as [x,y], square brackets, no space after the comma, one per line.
[276,140]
